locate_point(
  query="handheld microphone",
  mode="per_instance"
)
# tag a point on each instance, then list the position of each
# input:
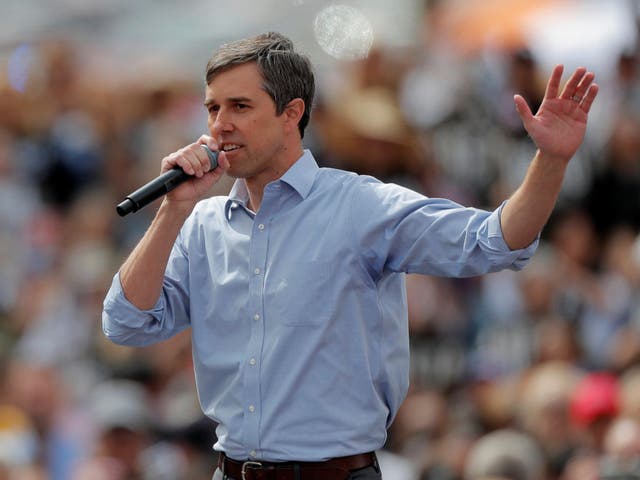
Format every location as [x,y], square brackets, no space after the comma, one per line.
[159,186]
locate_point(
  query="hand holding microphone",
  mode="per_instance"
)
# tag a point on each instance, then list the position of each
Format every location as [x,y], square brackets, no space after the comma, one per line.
[161,185]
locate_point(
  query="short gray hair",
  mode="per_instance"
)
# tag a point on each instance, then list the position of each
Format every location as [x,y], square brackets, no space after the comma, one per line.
[287,74]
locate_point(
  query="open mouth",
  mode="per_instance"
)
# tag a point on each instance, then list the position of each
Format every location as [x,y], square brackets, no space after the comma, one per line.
[230,147]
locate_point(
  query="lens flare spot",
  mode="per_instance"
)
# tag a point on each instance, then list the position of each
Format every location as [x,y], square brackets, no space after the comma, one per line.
[343,32]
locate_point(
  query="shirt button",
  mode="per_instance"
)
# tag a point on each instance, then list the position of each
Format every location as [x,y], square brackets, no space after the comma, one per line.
[253,453]
[256,317]
[261,226]
[252,361]
[252,408]
[257,271]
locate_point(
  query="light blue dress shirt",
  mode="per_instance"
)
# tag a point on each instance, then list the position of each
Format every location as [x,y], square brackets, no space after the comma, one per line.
[298,313]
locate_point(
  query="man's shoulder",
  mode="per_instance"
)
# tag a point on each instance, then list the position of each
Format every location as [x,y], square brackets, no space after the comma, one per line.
[360,185]
[344,178]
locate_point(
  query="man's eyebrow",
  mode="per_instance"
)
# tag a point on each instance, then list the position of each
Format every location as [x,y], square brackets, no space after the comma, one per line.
[239,100]
[210,101]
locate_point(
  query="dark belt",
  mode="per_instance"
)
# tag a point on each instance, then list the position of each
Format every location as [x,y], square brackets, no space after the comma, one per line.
[333,469]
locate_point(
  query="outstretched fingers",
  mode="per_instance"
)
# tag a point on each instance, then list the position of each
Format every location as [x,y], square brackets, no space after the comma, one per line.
[575,81]
[589,97]
[583,86]
[581,89]
[553,86]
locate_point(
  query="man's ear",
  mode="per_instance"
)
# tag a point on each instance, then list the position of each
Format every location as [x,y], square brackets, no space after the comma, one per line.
[293,113]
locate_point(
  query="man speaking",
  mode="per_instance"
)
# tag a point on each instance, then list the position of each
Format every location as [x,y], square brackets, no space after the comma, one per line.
[293,285]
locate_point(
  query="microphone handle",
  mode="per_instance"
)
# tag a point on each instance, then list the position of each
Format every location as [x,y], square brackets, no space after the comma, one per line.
[152,191]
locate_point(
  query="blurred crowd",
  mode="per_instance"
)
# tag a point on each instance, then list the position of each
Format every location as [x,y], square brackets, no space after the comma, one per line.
[533,375]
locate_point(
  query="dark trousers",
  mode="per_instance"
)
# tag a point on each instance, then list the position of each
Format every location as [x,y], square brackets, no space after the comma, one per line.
[369,473]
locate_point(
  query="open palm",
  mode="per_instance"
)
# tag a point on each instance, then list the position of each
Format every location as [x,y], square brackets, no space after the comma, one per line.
[559,126]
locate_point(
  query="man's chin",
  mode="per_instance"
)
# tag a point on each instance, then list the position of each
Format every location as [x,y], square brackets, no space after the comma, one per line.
[235,174]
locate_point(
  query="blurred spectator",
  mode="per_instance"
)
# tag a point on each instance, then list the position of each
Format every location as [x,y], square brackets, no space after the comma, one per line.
[614,197]
[582,466]
[120,413]
[593,406]
[584,297]
[619,277]
[505,455]
[433,436]
[368,134]
[630,393]
[19,445]
[60,430]
[621,457]
[621,99]
[435,71]
[543,410]
[436,324]
[18,206]
[421,420]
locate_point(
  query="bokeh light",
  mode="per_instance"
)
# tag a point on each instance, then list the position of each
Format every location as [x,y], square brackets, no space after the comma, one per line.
[343,32]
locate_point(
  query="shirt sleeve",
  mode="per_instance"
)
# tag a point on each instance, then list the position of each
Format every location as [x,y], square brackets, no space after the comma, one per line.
[125,324]
[403,231]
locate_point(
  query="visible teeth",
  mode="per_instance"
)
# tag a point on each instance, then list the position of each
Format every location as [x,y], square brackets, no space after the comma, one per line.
[230,147]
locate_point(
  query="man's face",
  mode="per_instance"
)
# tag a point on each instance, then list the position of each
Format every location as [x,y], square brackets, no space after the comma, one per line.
[243,120]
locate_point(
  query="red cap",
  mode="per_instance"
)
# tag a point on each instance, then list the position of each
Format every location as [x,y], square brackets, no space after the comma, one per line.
[595,396]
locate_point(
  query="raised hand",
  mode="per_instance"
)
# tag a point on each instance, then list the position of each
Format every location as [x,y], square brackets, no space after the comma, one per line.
[559,126]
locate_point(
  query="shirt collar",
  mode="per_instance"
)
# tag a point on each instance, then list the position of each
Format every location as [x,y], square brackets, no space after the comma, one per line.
[300,177]
[302,174]
[239,195]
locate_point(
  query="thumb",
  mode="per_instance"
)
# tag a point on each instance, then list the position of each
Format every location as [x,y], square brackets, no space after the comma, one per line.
[523,110]
[209,142]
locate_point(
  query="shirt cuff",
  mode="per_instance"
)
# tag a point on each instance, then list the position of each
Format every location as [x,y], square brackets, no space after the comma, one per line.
[118,294]
[122,314]
[496,239]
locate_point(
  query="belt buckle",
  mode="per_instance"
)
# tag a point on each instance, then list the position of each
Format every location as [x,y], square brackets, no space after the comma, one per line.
[249,464]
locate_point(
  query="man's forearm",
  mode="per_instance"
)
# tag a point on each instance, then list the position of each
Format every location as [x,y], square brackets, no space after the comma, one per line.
[528,209]
[142,273]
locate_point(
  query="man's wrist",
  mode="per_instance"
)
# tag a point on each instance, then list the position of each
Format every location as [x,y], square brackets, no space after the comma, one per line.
[551,162]
[178,209]
[545,175]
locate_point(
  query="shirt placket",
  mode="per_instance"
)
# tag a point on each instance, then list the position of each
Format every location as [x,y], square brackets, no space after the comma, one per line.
[252,369]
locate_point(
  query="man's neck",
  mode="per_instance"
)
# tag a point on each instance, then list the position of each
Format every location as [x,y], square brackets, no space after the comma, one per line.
[256,185]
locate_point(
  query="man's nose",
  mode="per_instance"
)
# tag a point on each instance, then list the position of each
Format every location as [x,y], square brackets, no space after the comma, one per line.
[222,123]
